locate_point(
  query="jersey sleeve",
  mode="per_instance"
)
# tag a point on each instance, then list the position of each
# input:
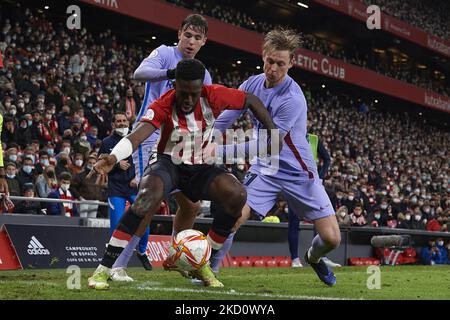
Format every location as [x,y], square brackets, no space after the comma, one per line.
[223,98]
[208,79]
[154,67]
[156,114]
[288,113]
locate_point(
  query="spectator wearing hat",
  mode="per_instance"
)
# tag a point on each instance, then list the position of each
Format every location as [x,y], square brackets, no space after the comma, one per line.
[12,180]
[62,192]
[25,206]
[12,154]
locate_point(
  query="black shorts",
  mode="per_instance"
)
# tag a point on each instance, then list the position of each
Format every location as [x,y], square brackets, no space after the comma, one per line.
[192,180]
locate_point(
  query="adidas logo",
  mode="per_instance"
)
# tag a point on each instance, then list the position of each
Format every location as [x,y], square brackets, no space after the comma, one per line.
[36,248]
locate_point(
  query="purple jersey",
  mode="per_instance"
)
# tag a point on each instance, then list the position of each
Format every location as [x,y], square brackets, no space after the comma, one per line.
[287,106]
[155,67]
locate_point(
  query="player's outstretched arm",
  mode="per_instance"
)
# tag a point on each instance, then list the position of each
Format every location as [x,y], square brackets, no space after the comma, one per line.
[260,112]
[123,149]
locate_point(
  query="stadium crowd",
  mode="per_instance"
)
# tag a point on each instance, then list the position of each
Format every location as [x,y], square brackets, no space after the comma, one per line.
[59,89]
[429,15]
[387,63]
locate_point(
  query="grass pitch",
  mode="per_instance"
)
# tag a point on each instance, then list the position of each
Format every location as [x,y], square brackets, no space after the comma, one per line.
[400,282]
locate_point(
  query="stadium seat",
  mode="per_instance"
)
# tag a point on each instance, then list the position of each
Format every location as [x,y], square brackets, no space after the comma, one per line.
[245,264]
[285,263]
[271,263]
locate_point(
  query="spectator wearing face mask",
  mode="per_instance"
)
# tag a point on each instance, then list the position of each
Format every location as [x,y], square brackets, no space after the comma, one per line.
[11,179]
[101,119]
[239,171]
[26,173]
[430,254]
[23,132]
[25,206]
[357,218]
[63,119]
[377,218]
[77,164]
[417,223]
[62,192]
[350,202]
[443,256]
[343,217]
[338,199]
[88,189]
[46,182]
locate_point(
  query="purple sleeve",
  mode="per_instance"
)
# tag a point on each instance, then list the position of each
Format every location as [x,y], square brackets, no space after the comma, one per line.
[208,80]
[153,68]
[288,113]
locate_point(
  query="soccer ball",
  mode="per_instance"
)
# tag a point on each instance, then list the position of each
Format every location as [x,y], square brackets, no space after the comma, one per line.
[190,250]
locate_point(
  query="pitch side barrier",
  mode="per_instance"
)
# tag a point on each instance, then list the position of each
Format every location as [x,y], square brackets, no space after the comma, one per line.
[257,238]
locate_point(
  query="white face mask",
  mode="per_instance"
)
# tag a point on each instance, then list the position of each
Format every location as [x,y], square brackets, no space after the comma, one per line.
[440,243]
[351,198]
[342,213]
[78,163]
[377,216]
[122,131]
[408,217]
[65,186]
[417,217]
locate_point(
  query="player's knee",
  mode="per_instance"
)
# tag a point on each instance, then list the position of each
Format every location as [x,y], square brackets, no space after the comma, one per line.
[333,240]
[145,201]
[235,201]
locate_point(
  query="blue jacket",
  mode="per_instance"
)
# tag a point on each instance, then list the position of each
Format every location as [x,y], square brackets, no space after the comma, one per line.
[118,179]
[57,209]
[443,256]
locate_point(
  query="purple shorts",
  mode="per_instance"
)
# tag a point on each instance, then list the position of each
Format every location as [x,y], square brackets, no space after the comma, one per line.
[307,199]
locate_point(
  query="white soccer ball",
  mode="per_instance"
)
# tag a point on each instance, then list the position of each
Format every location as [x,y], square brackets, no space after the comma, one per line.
[190,250]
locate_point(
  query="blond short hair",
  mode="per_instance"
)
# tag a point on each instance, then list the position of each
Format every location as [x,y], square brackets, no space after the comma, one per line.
[281,39]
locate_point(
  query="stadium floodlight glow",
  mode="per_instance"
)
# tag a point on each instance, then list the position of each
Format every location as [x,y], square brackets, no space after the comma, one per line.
[258,67]
[46,7]
[376,101]
[175,43]
[323,86]
[239,62]
[153,38]
[302,5]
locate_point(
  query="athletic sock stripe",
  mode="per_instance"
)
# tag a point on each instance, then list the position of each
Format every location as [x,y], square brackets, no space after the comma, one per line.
[216,238]
[214,245]
[120,235]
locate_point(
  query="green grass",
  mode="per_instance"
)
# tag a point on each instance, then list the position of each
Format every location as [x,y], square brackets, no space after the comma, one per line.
[407,282]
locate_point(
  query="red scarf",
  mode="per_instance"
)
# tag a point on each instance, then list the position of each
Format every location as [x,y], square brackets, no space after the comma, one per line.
[68,207]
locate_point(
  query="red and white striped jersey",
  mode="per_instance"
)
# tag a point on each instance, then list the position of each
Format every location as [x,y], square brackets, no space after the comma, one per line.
[186,135]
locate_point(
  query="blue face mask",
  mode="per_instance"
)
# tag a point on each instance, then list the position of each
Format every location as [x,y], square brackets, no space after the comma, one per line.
[29,123]
[27,169]
[13,157]
[50,152]
[45,162]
